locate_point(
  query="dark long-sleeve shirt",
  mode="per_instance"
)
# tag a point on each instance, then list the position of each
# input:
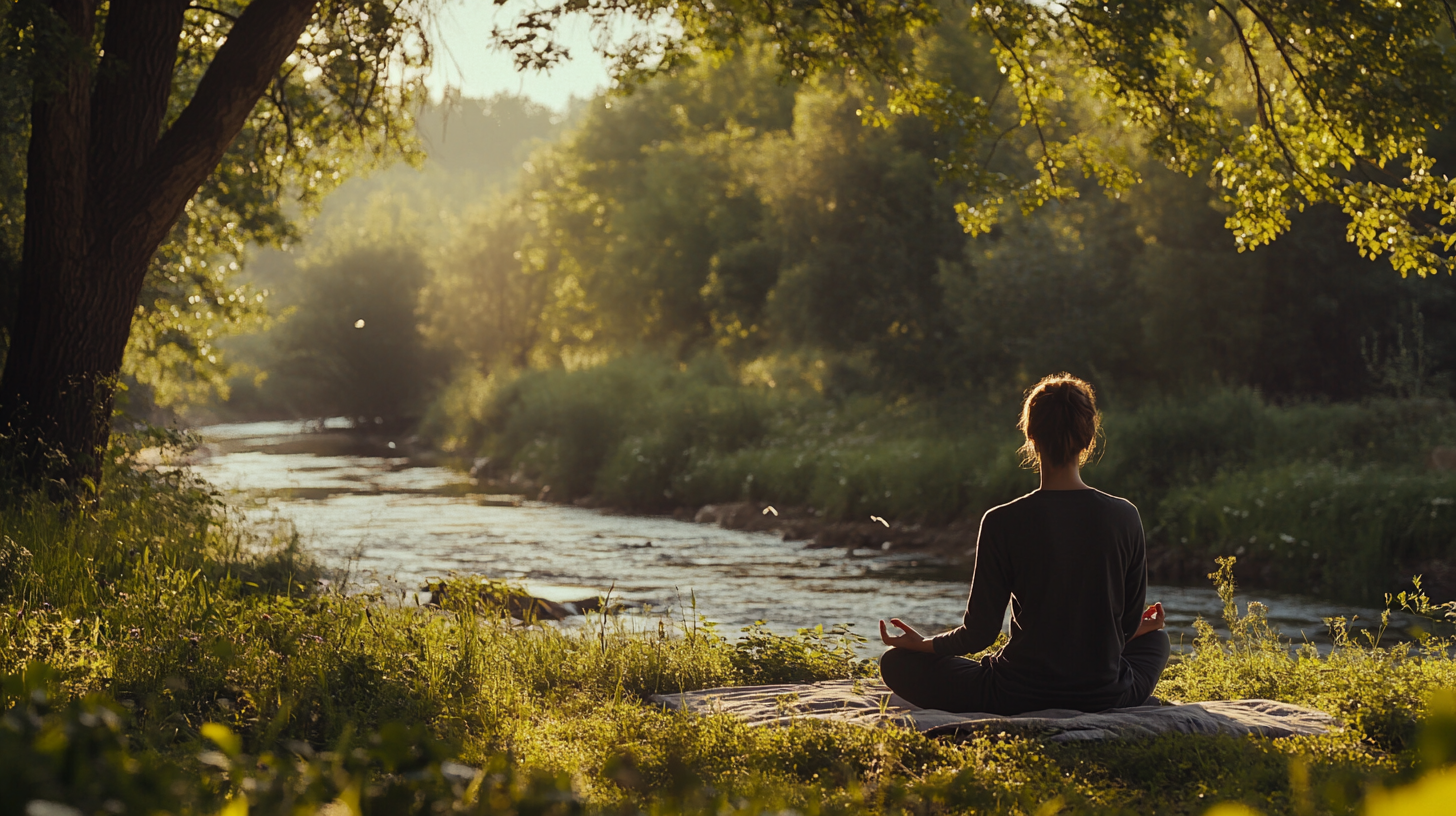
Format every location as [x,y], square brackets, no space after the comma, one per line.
[1073,564]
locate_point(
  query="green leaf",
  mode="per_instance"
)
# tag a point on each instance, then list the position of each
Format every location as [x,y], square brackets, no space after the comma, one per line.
[230,743]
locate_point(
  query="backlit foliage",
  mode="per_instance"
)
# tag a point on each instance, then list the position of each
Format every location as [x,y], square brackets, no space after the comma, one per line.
[1280,104]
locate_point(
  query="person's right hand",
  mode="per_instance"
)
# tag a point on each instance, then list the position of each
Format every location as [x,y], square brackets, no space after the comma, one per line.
[1153,620]
[912,640]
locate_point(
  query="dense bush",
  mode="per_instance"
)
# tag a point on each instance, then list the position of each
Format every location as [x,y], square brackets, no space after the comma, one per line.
[1339,532]
[1169,443]
[622,429]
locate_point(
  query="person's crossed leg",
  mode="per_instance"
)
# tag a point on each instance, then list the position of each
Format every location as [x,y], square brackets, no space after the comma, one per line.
[928,680]
[1147,655]
[957,684]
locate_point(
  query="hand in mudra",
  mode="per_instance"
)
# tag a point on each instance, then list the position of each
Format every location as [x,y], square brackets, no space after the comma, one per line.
[911,639]
[1153,620]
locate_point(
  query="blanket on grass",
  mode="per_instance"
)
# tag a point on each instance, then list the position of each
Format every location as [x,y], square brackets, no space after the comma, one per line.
[872,704]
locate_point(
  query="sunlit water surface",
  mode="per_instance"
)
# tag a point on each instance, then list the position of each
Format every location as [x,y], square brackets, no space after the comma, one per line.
[380,521]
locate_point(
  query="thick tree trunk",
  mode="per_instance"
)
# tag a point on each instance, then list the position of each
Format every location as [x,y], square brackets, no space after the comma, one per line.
[60,374]
[104,188]
[52,429]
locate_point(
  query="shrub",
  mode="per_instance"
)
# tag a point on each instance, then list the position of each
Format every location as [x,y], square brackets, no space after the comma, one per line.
[1190,440]
[1380,692]
[762,657]
[1346,533]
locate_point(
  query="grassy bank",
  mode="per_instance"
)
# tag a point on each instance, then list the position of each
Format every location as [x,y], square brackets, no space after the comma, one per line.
[1335,499]
[161,658]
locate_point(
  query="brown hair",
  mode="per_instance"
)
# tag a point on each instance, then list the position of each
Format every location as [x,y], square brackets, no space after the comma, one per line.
[1060,421]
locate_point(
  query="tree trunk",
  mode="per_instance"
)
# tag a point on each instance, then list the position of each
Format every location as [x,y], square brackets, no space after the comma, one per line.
[105,186]
[38,395]
[60,375]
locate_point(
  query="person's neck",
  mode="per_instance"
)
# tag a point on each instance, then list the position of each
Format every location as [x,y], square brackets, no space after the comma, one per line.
[1067,477]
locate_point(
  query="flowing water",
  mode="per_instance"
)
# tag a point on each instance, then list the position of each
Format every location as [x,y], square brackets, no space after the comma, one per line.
[383,521]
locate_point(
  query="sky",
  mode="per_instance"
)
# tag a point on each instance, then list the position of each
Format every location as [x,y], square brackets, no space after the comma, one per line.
[466,59]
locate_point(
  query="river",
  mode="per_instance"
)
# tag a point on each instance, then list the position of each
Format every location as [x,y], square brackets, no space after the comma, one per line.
[387,524]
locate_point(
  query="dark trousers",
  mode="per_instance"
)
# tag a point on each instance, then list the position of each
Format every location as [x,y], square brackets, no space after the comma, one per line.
[962,685]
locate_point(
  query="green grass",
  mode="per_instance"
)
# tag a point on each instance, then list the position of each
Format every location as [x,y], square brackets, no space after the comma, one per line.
[185,660]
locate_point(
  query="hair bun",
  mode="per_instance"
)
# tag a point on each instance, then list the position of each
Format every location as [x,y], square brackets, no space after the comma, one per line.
[1060,421]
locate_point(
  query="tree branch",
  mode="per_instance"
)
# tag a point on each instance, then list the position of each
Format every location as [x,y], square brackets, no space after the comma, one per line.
[995,143]
[278,92]
[263,37]
[133,85]
[1316,102]
[1050,164]
[1170,107]
[1262,100]
[211,10]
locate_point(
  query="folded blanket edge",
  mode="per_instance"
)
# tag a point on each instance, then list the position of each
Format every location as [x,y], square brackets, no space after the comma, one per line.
[1252,717]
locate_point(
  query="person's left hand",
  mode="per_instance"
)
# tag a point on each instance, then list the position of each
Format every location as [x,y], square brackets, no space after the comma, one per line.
[912,640]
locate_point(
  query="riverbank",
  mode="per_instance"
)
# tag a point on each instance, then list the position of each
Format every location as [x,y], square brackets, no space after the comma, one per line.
[1345,501]
[955,542]
[1343,532]
[384,523]
[188,661]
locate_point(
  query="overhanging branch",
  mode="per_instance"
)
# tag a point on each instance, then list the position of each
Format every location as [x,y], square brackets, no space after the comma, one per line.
[261,39]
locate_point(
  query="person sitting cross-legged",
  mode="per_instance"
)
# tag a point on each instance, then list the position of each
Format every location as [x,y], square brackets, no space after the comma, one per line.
[1072,562]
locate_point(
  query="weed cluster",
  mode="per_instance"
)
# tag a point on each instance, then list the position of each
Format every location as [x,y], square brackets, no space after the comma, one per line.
[1376,690]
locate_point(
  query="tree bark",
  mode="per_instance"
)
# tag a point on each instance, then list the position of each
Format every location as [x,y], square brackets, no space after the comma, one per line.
[105,187]
[51,259]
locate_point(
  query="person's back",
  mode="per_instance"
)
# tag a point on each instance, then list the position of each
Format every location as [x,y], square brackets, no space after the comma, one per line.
[1072,561]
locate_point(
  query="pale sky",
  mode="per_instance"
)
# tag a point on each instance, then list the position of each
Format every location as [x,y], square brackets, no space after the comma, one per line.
[465,58]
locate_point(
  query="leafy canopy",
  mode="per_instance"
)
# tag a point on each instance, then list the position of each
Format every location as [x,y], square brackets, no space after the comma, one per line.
[1282,104]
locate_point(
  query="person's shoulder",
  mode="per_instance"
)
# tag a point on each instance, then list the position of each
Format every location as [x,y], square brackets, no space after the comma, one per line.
[1009,510]
[1116,501]
[1117,504]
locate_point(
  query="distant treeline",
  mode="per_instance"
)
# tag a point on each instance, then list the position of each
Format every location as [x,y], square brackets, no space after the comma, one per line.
[721,211]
